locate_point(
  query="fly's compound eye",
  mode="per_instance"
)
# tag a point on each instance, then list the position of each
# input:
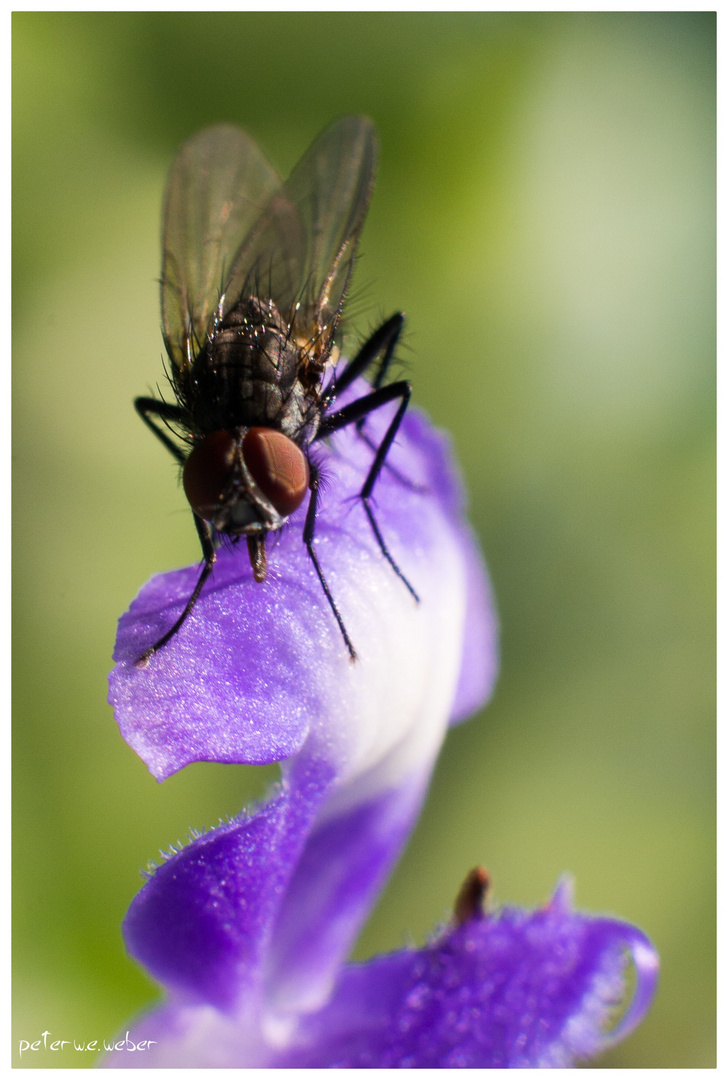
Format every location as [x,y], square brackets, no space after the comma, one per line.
[278,466]
[207,471]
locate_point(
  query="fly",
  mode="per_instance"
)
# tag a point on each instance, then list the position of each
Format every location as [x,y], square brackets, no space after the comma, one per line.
[254,276]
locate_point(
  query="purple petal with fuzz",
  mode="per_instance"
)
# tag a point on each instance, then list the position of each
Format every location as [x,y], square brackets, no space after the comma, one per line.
[516,990]
[202,923]
[513,989]
[342,869]
[270,904]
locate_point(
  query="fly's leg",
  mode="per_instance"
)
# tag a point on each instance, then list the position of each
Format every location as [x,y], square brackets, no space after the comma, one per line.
[204,532]
[147,408]
[352,414]
[309,529]
[382,344]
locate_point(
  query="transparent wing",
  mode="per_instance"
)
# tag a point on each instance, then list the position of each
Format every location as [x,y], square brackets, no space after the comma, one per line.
[218,186]
[302,249]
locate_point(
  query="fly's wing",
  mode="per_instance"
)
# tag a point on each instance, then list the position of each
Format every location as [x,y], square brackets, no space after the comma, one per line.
[218,186]
[302,249]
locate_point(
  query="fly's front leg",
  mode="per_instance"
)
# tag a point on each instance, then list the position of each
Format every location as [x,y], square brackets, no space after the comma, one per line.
[204,531]
[147,407]
[352,414]
[309,530]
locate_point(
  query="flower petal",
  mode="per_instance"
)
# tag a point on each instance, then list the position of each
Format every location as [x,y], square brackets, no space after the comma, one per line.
[479,663]
[519,990]
[202,923]
[218,691]
[342,869]
[515,989]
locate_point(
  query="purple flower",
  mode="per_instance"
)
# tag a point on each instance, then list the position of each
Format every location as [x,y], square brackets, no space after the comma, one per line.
[250,925]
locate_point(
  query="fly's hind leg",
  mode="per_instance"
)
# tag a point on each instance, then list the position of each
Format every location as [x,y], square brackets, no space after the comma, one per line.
[379,347]
[381,344]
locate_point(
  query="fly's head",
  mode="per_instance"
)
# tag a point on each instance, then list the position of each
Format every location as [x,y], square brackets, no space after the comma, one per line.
[246,481]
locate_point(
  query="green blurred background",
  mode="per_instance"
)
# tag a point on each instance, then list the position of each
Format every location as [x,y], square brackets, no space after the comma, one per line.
[545,216]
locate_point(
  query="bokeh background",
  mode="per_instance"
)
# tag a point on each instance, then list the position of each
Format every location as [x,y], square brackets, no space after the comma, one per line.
[545,216]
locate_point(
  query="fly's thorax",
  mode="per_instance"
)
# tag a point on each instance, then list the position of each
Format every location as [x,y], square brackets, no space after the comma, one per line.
[245,373]
[255,336]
